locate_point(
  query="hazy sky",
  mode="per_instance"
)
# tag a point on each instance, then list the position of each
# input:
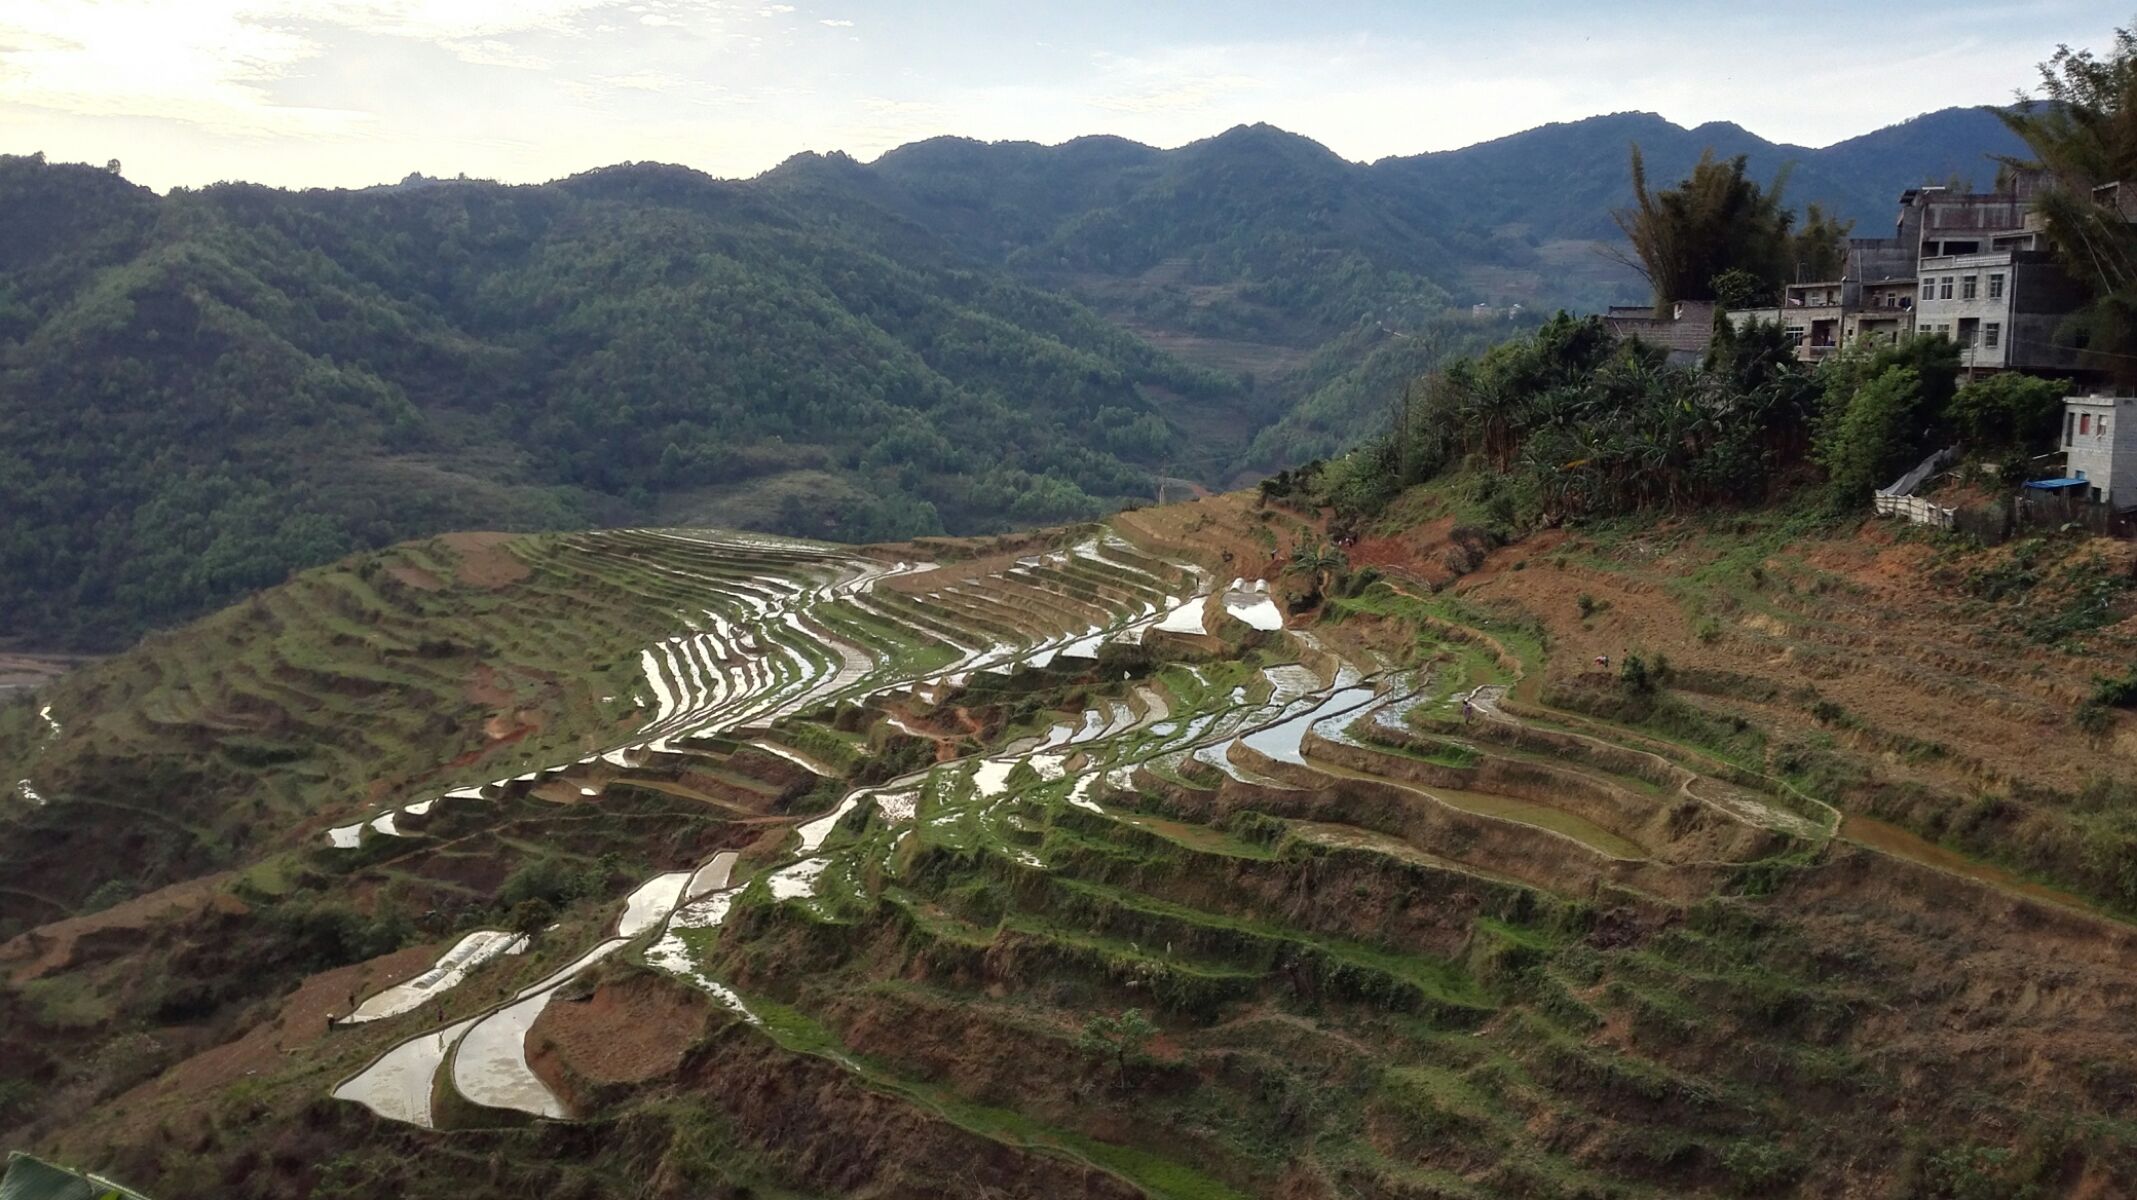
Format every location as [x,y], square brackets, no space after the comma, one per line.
[351,92]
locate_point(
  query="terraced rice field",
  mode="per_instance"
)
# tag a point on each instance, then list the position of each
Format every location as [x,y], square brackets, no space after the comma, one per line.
[794,657]
[866,848]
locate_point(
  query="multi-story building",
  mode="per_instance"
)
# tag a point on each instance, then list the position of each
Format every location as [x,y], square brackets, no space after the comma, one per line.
[1873,298]
[1974,268]
[1812,314]
[1885,311]
[1988,282]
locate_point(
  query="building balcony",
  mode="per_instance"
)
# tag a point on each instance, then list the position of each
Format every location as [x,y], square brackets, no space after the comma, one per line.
[1960,262]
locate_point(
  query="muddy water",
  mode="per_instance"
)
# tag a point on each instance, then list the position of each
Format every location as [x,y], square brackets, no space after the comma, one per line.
[453,966]
[651,903]
[712,876]
[1897,842]
[490,1068]
[398,1085]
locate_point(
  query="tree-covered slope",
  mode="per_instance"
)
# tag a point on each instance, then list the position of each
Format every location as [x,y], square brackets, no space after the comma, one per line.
[206,390]
[211,388]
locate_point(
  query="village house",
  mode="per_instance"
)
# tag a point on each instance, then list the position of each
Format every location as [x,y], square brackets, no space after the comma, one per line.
[2100,448]
[1974,268]
[1987,280]
[1684,332]
[1812,315]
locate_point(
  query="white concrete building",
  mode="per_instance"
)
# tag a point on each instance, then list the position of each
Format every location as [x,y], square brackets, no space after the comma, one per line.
[1967,298]
[2100,440]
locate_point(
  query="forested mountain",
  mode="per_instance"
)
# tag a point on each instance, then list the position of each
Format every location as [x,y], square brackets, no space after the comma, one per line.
[204,390]
[1562,181]
[208,389]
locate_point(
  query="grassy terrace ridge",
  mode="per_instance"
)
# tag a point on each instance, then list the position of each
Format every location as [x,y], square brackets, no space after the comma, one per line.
[1009,921]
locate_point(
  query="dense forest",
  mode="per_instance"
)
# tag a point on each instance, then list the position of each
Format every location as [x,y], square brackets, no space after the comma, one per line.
[205,390]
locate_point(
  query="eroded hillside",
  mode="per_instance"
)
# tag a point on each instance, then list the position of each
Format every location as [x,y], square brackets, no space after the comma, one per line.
[678,863]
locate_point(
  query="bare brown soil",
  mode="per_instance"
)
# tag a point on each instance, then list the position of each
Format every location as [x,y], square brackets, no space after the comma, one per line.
[53,947]
[483,561]
[1221,534]
[821,1124]
[25,672]
[416,577]
[628,1030]
[301,1019]
[1848,621]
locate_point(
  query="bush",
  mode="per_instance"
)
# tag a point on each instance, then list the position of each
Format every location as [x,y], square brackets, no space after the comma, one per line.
[2116,692]
[2008,413]
[547,880]
[2093,718]
[1875,437]
[321,934]
[1760,1168]
[1641,677]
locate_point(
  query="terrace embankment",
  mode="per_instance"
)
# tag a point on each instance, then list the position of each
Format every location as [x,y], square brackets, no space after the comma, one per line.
[1043,869]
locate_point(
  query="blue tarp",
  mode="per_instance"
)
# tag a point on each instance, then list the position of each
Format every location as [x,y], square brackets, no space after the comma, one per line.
[2053,485]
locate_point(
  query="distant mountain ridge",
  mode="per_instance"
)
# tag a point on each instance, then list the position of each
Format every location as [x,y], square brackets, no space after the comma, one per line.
[209,388]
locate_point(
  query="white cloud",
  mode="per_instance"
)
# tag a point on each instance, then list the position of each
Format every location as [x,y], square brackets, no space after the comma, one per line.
[217,63]
[1178,94]
[491,52]
[358,90]
[205,63]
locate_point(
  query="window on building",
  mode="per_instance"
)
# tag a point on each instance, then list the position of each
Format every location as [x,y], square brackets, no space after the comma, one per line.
[1991,334]
[1944,288]
[1969,287]
[1995,287]
[2084,424]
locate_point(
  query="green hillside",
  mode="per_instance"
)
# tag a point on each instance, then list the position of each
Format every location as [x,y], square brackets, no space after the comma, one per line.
[211,388]
[208,389]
